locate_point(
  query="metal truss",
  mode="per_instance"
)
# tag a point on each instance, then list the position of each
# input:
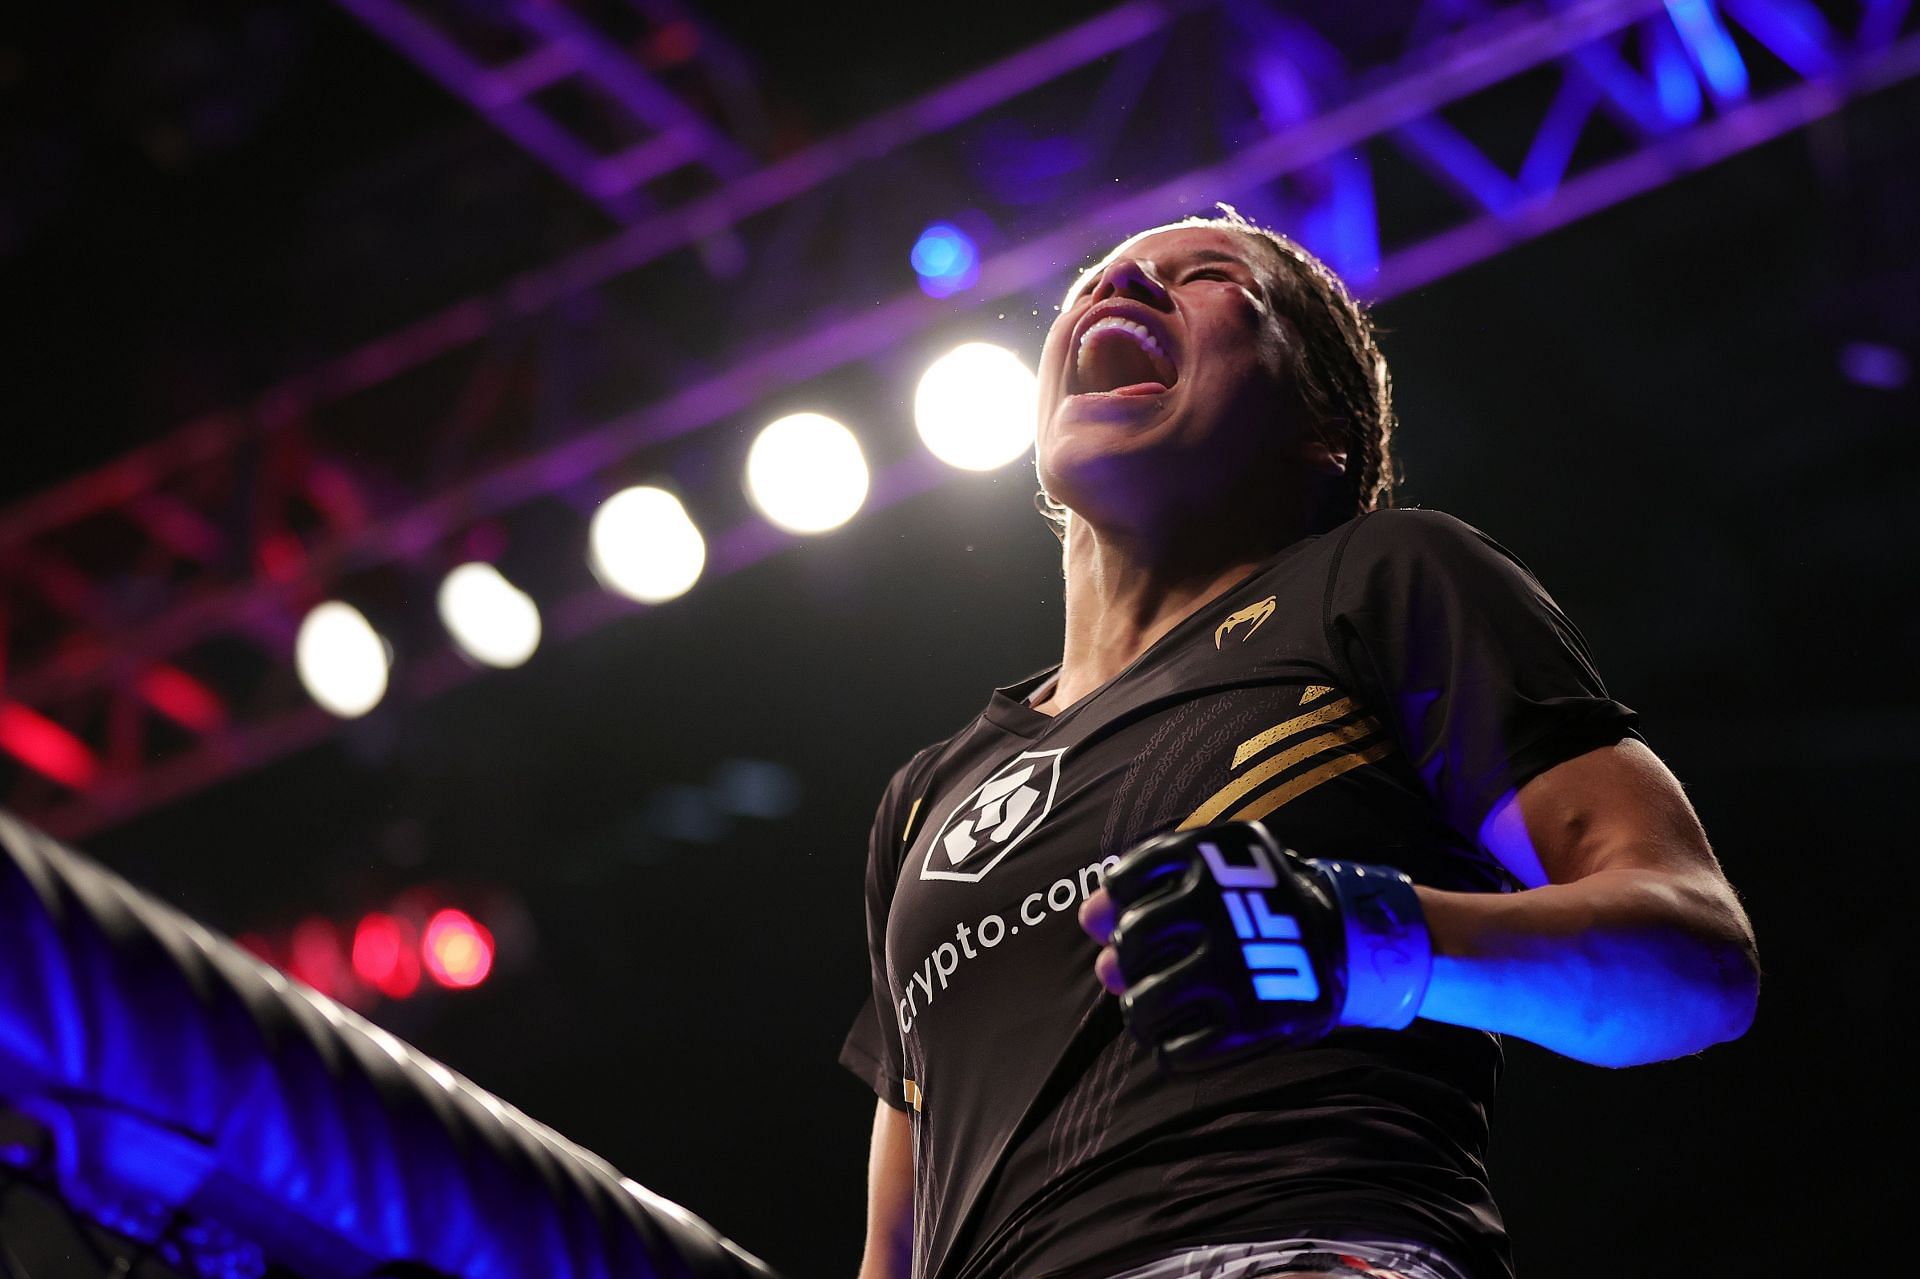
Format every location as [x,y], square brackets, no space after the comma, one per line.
[148,607]
[522,63]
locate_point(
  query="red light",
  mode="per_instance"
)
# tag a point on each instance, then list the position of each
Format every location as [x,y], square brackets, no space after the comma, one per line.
[45,747]
[384,957]
[458,951]
[313,956]
[182,699]
[672,44]
[281,556]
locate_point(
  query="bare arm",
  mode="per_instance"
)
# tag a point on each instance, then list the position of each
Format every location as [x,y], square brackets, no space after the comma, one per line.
[1628,946]
[889,1252]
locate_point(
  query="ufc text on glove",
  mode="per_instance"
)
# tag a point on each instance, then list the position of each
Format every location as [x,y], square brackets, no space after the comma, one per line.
[1229,943]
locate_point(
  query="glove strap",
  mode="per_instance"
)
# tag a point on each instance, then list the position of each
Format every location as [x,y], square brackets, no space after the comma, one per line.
[1389,953]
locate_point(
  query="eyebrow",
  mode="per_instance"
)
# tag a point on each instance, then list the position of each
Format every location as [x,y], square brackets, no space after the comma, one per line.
[1192,255]
[1218,255]
[1261,282]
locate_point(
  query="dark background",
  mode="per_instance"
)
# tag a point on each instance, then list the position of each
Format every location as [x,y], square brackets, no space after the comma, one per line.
[1647,407]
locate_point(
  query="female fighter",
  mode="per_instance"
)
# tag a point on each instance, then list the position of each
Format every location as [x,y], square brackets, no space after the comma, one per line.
[1336,798]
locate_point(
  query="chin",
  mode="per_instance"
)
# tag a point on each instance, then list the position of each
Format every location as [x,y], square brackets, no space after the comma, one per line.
[1100,482]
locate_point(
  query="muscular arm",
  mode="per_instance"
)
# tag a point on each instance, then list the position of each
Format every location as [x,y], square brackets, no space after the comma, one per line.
[1628,947]
[889,1253]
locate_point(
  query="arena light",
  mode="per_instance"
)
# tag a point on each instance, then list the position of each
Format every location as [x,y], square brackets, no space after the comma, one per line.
[1713,49]
[806,473]
[975,407]
[946,260]
[1884,368]
[642,544]
[493,621]
[341,659]
[384,955]
[457,949]
[181,698]
[45,747]
[314,956]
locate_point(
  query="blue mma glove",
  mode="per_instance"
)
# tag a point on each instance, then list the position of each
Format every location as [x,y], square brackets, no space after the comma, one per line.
[1231,943]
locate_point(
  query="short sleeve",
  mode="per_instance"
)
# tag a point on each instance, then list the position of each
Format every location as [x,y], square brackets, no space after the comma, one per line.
[1486,681]
[871,1049]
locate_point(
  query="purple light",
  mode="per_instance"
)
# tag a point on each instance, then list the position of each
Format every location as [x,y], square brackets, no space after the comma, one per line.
[1883,368]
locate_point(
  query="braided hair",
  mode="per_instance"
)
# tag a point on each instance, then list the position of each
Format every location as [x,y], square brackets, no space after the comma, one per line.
[1337,365]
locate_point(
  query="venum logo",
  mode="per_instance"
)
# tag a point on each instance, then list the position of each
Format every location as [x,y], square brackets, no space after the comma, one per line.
[1255,613]
[990,823]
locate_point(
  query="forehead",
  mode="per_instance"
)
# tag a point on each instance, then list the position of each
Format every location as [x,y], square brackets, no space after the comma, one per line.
[1168,245]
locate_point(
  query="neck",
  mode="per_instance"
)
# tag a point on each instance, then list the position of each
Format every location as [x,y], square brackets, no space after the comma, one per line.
[1124,591]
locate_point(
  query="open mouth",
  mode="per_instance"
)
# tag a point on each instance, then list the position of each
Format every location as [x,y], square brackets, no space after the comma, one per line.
[1118,356]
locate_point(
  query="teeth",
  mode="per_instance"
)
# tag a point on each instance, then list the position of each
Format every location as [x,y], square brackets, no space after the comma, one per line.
[1132,328]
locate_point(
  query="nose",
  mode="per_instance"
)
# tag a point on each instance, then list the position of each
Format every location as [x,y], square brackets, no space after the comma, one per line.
[1129,278]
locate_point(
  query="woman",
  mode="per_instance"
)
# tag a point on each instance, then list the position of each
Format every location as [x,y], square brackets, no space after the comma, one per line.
[1252,636]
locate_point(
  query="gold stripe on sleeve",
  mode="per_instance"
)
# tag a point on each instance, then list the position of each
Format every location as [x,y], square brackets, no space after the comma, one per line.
[1299,723]
[1240,787]
[1290,791]
[912,1091]
[907,834]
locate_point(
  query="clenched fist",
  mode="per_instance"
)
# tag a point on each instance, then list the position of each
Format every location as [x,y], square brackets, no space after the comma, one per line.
[1220,942]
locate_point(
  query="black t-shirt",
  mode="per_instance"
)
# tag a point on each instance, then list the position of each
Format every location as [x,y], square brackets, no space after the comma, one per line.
[1370,693]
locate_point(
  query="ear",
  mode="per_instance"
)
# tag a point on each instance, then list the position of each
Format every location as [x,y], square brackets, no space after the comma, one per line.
[1322,457]
[1053,513]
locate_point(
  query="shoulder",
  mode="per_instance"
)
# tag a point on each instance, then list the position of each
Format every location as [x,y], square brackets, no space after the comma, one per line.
[1414,533]
[907,777]
[886,843]
[1411,550]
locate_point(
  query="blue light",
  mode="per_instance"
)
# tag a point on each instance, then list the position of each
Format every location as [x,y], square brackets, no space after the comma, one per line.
[1713,50]
[945,259]
[1343,227]
[1795,31]
[1558,135]
[1673,77]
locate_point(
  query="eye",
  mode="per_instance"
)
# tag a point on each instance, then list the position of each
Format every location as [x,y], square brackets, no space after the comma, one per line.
[1210,273]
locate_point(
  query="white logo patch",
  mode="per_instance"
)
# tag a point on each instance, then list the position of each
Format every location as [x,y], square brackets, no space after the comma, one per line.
[987,825]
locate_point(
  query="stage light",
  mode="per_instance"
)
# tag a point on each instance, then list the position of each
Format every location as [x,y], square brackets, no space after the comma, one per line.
[643,545]
[806,473]
[341,660]
[45,747]
[313,956]
[975,407]
[384,956]
[492,620]
[946,260]
[1881,367]
[1713,49]
[457,949]
[182,698]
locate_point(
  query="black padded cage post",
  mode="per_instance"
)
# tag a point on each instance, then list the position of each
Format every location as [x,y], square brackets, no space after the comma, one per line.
[190,1110]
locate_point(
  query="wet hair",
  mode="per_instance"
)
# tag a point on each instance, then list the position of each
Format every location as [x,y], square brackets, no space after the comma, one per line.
[1337,365]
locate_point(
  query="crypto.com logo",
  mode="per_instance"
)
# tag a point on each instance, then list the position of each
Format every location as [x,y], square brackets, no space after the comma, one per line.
[988,824]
